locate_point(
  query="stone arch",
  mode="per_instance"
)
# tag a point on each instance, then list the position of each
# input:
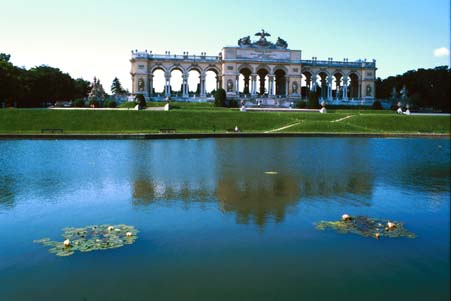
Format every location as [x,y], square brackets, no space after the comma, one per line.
[158,86]
[245,66]
[176,67]
[194,80]
[337,84]
[306,83]
[217,79]
[263,78]
[280,67]
[321,81]
[354,85]
[175,80]
[194,68]
[158,67]
[263,67]
[244,76]
[280,81]
[213,68]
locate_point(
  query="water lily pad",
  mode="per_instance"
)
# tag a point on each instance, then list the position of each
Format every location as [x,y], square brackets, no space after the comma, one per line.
[91,238]
[367,226]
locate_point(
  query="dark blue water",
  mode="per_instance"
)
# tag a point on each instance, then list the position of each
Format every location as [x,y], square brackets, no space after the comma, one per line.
[214,226]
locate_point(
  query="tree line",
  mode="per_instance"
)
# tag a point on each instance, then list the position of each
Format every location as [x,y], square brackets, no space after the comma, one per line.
[425,88]
[37,86]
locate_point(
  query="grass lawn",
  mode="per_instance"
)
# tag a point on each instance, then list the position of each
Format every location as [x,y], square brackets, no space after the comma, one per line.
[203,117]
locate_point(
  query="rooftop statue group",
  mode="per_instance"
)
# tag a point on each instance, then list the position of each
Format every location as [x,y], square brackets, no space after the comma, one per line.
[262,42]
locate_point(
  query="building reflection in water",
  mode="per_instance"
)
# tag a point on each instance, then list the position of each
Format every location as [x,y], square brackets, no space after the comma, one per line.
[232,173]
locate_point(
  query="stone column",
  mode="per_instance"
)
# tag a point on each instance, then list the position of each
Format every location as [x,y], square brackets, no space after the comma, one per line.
[133,84]
[168,85]
[218,82]
[150,85]
[237,85]
[313,85]
[271,85]
[345,87]
[246,88]
[329,87]
[185,86]
[254,84]
[359,89]
[202,85]
[287,86]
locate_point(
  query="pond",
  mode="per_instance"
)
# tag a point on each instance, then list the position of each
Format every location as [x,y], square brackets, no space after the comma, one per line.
[226,219]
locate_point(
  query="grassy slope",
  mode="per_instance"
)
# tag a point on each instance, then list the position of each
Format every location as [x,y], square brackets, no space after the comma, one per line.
[204,119]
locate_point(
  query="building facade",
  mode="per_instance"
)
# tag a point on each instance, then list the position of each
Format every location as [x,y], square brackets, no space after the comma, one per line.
[266,69]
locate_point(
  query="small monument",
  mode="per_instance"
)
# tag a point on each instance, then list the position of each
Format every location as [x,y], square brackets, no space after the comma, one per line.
[97,92]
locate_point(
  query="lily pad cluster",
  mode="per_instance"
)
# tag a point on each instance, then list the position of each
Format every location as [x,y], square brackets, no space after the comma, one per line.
[367,226]
[91,238]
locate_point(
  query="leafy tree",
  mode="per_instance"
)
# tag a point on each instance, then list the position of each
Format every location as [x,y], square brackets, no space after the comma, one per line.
[426,87]
[4,57]
[9,79]
[220,98]
[111,104]
[116,87]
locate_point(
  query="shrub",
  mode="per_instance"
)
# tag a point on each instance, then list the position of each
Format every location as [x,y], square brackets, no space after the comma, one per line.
[232,103]
[94,103]
[111,104]
[79,103]
[377,105]
[141,101]
[313,100]
[220,98]
[301,104]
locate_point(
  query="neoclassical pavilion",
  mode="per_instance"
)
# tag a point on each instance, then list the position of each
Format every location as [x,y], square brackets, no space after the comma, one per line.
[266,69]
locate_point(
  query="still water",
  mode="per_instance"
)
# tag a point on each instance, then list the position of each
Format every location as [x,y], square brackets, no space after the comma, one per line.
[214,226]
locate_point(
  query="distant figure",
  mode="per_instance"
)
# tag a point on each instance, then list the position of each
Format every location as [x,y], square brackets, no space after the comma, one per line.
[243,108]
[399,110]
[407,112]
[323,107]
[237,129]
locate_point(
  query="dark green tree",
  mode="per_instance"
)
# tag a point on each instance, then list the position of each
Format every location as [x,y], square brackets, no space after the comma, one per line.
[141,101]
[426,87]
[116,87]
[220,98]
[313,100]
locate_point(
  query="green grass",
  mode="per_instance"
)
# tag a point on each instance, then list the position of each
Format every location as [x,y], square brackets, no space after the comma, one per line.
[204,118]
[174,105]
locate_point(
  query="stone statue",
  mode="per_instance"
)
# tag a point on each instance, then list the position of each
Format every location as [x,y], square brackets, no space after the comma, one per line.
[140,84]
[281,43]
[244,41]
[229,86]
[368,90]
[295,87]
[393,93]
[263,35]
[262,42]
[403,93]
[97,92]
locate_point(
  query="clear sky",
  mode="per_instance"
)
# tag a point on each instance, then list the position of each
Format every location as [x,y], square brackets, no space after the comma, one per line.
[88,38]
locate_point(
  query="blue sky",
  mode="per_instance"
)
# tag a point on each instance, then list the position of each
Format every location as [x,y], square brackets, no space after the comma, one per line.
[94,38]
